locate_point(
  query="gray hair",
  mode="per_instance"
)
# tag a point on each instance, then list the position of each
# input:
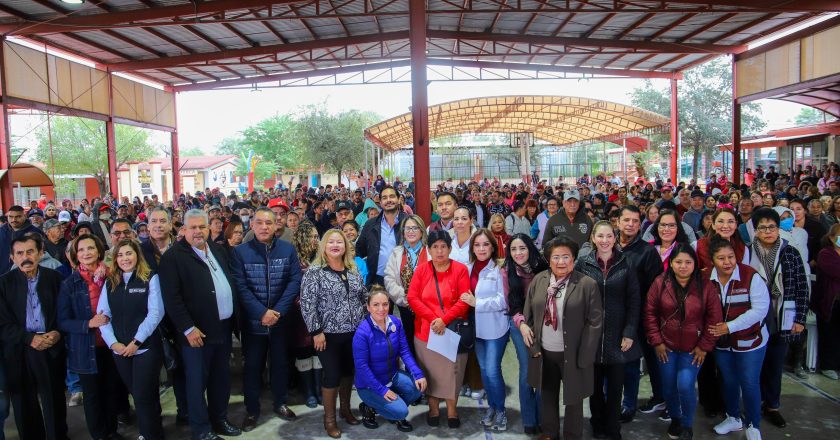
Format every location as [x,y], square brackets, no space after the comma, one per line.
[197,213]
[163,210]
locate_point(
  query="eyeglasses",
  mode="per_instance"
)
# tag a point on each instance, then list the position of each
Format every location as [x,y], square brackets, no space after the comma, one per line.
[126,233]
[668,226]
[412,228]
[559,258]
[767,229]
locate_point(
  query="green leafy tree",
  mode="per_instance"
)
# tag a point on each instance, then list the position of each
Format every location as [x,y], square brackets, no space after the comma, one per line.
[192,152]
[335,141]
[811,116]
[265,169]
[274,139]
[705,109]
[79,147]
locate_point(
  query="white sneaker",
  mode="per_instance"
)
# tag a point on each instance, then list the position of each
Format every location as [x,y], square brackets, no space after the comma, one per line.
[76,399]
[753,433]
[730,424]
[477,394]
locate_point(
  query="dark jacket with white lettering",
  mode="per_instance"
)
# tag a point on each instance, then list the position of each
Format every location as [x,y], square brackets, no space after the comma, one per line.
[266,277]
[129,303]
[558,225]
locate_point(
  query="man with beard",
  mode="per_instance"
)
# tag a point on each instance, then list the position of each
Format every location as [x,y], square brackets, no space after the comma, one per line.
[446,211]
[571,221]
[380,235]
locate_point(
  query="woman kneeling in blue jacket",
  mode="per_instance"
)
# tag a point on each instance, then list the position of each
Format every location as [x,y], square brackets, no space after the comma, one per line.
[378,345]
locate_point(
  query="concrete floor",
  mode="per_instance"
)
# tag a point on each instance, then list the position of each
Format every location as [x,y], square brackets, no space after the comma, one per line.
[811,407]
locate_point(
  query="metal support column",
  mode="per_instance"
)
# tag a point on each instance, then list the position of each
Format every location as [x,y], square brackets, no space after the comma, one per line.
[111,142]
[675,132]
[736,128]
[176,157]
[6,191]
[420,109]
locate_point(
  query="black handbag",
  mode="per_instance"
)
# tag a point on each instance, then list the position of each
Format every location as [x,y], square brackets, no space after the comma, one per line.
[464,327]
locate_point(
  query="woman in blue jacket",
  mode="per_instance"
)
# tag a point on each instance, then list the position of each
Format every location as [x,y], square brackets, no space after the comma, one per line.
[378,345]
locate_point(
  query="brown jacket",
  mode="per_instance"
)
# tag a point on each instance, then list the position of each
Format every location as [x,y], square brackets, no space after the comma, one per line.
[582,315]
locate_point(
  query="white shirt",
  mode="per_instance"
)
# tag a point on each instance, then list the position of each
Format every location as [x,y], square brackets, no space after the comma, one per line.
[460,253]
[759,305]
[491,321]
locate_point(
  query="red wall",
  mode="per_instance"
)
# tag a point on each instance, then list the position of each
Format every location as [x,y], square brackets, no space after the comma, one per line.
[50,192]
[91,188]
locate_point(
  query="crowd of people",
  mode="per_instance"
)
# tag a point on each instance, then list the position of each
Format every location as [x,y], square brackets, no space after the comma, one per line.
[331,289]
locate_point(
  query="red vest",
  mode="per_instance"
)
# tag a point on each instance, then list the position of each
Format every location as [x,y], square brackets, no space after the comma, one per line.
[736,302]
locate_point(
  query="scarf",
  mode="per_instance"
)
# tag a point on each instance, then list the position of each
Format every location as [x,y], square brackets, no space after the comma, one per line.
[524,268]
[555,289]
[412,252]
[478,266]
[767,258]
[95,280]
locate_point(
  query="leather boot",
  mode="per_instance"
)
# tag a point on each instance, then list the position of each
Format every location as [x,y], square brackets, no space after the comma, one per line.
[330,424]
[345,389]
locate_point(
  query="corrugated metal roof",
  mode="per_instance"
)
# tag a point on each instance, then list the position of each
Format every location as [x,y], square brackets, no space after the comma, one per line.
[245,24]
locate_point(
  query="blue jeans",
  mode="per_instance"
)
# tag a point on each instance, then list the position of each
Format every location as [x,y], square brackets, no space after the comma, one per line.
[403,385]
[74,385]
[529,398]
[633,375]
[740,374]
[679,378]
[489,353]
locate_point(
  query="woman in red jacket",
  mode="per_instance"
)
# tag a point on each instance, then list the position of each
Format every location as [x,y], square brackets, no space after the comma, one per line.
[450,280]
[680,307]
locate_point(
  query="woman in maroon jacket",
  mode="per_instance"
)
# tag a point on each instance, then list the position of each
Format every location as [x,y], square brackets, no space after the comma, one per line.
[680,306]
[824,303]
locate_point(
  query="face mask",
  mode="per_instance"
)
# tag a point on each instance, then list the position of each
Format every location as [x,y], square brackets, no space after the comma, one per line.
[787,224]
[105,217]
[837,241]
[144,235]
[245,219]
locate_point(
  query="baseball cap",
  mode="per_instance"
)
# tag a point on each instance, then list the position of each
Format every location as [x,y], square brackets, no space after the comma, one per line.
[716,191]
[51,223]
[278,202]
[122,205]
[215,208]
[35,211]
[343,205]
[697,193]
[104,207]
[667,187]
[571,194]
[64,217]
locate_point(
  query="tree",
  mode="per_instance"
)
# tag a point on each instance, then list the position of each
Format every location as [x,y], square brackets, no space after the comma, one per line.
[811,116]
[192,152]
[274,139]
[705,108]
[79,147]
[264,169]
[335,141]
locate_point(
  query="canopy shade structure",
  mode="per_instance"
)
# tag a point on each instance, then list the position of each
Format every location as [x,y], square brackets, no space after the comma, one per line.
[27,175]
[193,45]
[558,120]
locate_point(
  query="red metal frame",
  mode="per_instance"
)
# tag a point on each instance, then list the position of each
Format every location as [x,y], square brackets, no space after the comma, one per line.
[736,127]
[6,191]
[675,132]
[420,109]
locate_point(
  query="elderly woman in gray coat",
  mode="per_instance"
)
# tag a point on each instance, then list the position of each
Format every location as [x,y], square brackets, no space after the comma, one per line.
[562,328]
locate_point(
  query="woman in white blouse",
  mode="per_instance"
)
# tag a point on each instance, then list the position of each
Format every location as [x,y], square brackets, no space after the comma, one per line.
[491,322]
[462,229]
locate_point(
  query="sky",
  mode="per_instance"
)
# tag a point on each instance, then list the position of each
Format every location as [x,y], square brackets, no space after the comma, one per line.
[207,117]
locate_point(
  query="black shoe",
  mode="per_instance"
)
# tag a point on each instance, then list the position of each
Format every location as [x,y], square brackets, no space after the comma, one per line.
[125,418]
[249,423]
[454,422]
[432,420]
[404,426]
[182,420]
[368,416]
[687,434]
[223,427]
[532,430]
[627,416]
[209,436]
[285,413]
[675,430]
[652,405]
[665,416]
[775,418]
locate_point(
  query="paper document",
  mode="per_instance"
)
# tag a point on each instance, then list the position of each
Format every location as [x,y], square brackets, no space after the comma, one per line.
[445,344]
[788,315]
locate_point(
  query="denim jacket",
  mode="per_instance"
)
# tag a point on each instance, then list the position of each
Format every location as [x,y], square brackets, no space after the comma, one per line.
[74,312]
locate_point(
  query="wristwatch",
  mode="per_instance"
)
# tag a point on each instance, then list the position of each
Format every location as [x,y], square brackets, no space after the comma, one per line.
[135,342]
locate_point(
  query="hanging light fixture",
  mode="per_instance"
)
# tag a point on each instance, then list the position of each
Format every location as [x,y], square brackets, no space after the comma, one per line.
[73,2]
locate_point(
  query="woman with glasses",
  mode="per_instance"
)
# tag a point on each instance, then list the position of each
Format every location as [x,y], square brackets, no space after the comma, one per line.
[562,329]
[401,266]
[234,232]
[779,263]
[667,235]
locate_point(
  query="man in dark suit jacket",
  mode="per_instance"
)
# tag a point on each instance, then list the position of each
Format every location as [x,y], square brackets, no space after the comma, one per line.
[33,352]
[201,301]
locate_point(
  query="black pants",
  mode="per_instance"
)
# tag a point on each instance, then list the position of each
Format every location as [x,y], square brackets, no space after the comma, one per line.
[254,349]
[102,395]
[606,407]
[207,369]
[407,318]
[43,378]
[708,385]
[552,377]
[337,358]
[828,350]
[771,371]
[141,375]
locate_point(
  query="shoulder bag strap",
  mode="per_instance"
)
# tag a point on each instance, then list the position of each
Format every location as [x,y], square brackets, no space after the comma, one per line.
[437,287]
